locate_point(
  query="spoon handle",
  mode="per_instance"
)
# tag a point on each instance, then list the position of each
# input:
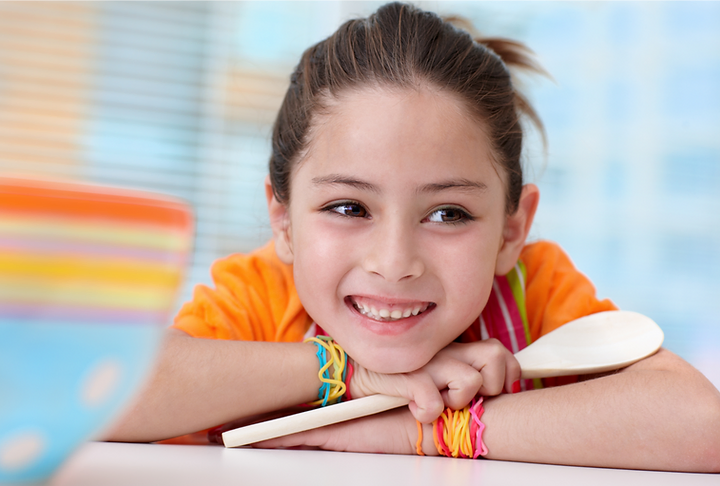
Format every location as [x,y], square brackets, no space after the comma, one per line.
[312,419]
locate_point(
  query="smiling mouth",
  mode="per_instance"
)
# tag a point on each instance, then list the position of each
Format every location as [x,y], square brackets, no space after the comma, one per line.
[383,312]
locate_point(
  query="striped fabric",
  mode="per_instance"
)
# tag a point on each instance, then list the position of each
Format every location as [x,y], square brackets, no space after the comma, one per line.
[505,317]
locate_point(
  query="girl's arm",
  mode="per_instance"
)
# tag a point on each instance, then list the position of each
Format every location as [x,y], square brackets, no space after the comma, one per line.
[201,383]
[658,414]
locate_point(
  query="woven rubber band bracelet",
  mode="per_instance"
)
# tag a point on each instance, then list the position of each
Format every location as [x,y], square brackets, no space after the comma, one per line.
[418,444]
[458,433]
[330,354]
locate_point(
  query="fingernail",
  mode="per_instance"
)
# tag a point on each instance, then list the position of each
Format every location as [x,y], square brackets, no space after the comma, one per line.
[516,386]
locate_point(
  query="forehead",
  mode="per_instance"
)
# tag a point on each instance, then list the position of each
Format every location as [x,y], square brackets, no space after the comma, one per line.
[416,131]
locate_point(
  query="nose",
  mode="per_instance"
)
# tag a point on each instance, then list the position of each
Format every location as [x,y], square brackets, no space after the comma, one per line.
[393,253]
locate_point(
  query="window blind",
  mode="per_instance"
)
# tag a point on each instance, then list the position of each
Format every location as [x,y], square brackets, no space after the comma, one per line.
[146,95]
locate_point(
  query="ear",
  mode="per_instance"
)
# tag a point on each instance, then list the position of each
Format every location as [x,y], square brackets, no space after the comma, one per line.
[280,224]
[517,227]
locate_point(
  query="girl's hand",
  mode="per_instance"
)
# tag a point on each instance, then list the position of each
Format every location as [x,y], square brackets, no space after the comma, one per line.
[392,432]
[452,378]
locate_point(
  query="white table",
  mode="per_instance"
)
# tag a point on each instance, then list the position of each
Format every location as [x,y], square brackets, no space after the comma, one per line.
[111,464]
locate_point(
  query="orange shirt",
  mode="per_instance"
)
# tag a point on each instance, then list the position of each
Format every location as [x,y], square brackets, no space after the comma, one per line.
[255,298]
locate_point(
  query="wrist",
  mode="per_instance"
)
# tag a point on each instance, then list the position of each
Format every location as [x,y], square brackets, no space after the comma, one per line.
[428,444]
[333,372]
[458,433]
[357,385]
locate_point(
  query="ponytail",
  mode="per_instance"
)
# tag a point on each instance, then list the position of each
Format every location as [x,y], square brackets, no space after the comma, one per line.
[517,57]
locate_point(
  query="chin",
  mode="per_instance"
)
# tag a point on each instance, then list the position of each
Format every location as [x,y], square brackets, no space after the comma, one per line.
[387,366]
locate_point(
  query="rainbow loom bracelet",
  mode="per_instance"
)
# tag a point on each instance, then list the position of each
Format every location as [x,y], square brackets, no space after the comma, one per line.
[329,354]
[476,410]
[418,444]
[458,433]
[438,426]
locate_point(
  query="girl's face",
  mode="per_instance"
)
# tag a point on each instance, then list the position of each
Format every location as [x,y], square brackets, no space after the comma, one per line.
[396,225]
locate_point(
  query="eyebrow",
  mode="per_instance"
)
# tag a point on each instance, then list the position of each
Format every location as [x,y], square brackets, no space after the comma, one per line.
[337,179]
[463,185]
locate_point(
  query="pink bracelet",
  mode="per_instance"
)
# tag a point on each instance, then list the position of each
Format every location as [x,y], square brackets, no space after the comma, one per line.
[439,426]
[476,411]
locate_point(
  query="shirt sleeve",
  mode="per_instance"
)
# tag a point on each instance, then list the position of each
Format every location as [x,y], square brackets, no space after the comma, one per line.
[556,292]
[253,299]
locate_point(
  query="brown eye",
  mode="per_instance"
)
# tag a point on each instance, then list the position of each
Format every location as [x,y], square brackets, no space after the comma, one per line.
[449,215]
[350,209]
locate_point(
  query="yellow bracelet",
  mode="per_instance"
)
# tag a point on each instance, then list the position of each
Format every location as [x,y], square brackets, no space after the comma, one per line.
[452,433]
[330,354]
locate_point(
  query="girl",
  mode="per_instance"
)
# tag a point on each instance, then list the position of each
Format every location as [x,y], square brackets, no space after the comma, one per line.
[400,220]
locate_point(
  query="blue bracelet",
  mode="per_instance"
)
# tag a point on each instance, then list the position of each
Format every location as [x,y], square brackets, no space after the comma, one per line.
[324,391]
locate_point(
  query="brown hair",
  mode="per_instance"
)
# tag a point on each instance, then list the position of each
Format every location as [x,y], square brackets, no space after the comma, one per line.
[402,46]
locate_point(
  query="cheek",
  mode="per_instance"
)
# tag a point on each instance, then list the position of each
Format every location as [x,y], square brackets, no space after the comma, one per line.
[466,258]
[467,272]
[321,248]
[322,258]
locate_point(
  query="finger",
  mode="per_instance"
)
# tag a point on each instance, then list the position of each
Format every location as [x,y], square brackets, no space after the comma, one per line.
[464,383]
[494,369]
[497,365]
[458,380]
[426,402]
[512,372]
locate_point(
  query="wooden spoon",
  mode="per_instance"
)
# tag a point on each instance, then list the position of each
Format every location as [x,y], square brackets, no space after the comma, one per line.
[592,344]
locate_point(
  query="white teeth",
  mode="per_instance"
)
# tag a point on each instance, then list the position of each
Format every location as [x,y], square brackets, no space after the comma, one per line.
[387,314]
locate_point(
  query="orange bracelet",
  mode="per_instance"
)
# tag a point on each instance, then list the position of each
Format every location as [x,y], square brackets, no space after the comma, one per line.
[458,433]
[418,444]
